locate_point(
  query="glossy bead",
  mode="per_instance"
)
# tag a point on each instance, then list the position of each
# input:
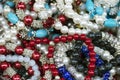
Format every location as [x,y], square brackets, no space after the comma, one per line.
[69,37]
[62,18]
[76,36]
[110,23]
[12,17]
[38,40]
[41,33]
[55,72]
[4,65]
[80,68]
[16,77]
[90,47]
[91,66]
[28,20]
[74,62]
[108,66]
[45,67]
[19,50]
[82,37]
[50,55]
[56,40]
[51,49]
[63,38]
[99,10]
[90,72]
[87,78]
[3,50]
[32,43]
[17,65]
[21,5]
[113,62]
[88,41]
[91,35]
[92,60]
[36,55]
[52,66]
[89,5]
[98,35]
[92,54]
[30,71]
[102,69]
[10,3]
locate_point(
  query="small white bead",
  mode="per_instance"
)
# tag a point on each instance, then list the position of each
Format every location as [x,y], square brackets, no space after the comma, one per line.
[35,67]
[31,62]
[71,31]
[43,15]
[2,41]
[58,25]
[2,58]
[66,60]
[64,29]
[38,6]
[26,59]
[69,1]
[33,14]
[8,58]
[20,58]
[15,58]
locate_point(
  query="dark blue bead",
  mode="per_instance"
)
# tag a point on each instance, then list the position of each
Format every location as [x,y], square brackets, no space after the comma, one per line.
[105,78]
[107,74]
[70,78]
[62,69]
[99,62]
[97,56]
[84,49]
[67,75]
[30,33]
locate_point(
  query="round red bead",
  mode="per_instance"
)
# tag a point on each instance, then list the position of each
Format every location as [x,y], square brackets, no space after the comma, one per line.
[51,49]
[69,37]
[92,54]
[30,71]
[62,18]
[16,77]
[87,78]
[63,38]
[50,55]
[21,5]
[55,72]
[3,50]
[45,41]
[90,47]
[36,55]
[76,36]
[56,40]
[91,73]
[88,41]
[82,37]
[17,65]
[4,65]
[19,50]
[91,66]
[28,20]
[37,40]
[32,43]
[78,2]
[92,60]
[45,67]
[52,66]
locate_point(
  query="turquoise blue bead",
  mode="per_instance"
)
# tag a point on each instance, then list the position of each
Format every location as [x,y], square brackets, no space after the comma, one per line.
[10,3]
[99,10]
[41,33]
[30,33]
[12,17]
[89,5]
[110,23]
[118,13]
[47,6]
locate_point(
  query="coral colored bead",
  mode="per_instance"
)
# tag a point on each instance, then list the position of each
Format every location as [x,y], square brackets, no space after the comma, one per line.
[36,55]
[55,72]
[28,20]
[45,67]
[16,77]
[69,37]
[92,60]
[37,40]
[30,71]
[82,37]
[56,40]
[63,38]
[62,18]
[87,78]
[4,65]
[91,66]
[88,41]
[91,73]
[21,5]
[17,65]
[19,50]
[51,49]
[3,49]
[90,47]
[76,36]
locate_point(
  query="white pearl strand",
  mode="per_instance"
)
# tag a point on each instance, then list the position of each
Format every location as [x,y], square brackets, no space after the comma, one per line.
[15,58]
[83,20]
[62,59]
